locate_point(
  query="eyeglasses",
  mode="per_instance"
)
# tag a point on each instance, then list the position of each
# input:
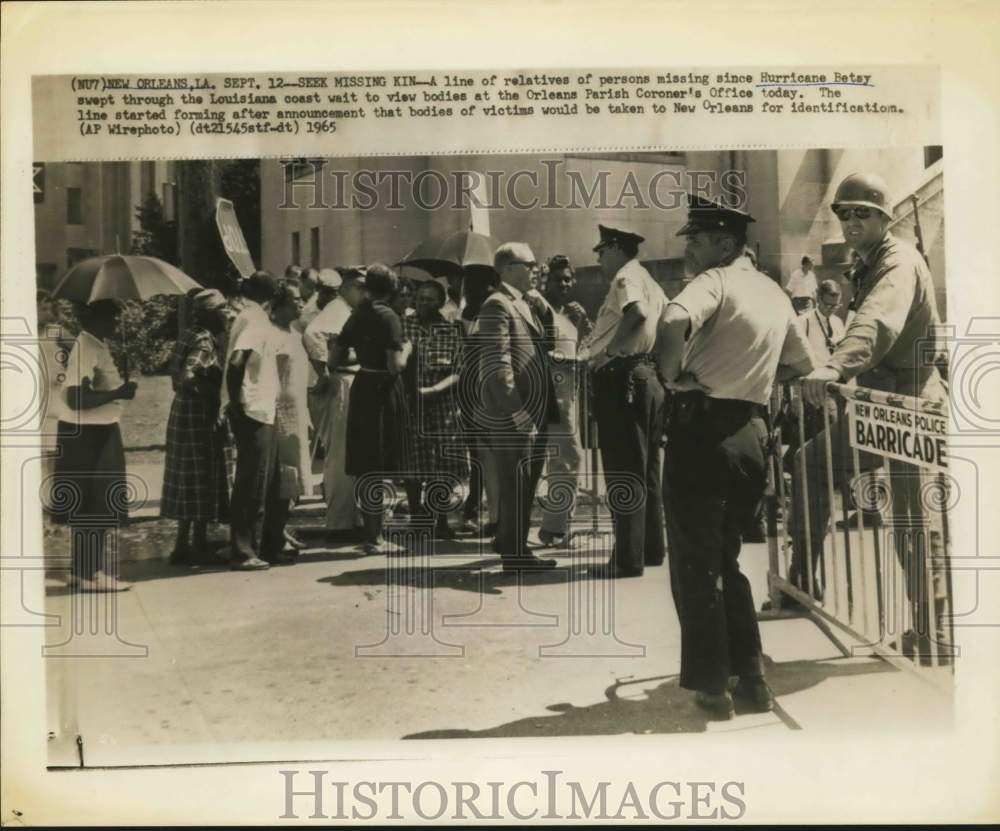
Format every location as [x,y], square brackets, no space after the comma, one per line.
[846,212]
[830,301]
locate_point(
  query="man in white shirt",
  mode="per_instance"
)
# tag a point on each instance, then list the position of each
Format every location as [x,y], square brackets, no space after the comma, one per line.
[252,384]
[331,394]
[821,326]
[802,286]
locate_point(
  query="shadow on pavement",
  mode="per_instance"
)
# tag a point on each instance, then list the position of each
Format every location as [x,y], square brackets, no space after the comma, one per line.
[664,708]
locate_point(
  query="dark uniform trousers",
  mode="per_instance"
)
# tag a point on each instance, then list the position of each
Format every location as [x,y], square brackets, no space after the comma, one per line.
[628,406]
[714,479]
[519,461]
[255,486]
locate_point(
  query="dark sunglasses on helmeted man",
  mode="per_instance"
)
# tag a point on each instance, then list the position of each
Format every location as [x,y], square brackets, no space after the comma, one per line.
[844,213]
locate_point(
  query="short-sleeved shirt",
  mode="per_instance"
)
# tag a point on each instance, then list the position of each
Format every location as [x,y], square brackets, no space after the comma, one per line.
[823,333]
[802,284]
[631,284]
[259,394]
[91,358]
[370,331]
[742,327]
[330,321]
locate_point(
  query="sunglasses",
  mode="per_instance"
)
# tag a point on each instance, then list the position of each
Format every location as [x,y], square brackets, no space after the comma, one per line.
[846,212]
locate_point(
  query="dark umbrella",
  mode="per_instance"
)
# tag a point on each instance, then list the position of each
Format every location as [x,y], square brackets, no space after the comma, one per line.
[466,248]
[426,257]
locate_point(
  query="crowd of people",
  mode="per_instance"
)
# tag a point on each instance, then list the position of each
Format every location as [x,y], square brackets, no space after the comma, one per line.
[473,385]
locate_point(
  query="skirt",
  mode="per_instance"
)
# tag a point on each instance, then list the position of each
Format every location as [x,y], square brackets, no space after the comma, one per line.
[377,421]
[195,486]
[88,485]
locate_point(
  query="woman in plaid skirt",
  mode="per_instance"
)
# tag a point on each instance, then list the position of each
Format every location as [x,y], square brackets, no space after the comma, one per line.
[436,453]
[195,490]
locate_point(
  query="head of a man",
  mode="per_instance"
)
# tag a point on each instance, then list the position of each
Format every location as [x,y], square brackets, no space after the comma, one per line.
[515,263]
[560,281]
[308,283]
[352,288]
[707,249]
[46,309]
[430,297]
[807,264]
[828,297]
[260,287]
[286,305]
[381,282]
[862,206]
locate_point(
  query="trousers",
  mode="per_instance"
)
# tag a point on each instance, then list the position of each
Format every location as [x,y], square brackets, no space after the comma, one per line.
[256,487]
[519,460]
[714,478]
[629,433]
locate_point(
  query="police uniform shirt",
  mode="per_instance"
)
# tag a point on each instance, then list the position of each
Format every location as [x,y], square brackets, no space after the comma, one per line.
[631,284]
[742,327]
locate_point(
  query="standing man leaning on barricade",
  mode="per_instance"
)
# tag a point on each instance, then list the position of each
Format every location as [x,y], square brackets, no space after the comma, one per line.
[628,403]
[719,347]
[890,345]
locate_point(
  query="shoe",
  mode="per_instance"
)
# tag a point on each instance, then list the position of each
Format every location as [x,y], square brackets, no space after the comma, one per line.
[528,562]
[180,556]
[490,529]
[442,531]
[469,526]
[552,539]
[281,559]
[373,548]
[756,692]
[107,583]
[250,564]
[872,519]
[653,563]
[293,541]
[612,571]
[77,583]
[720,706]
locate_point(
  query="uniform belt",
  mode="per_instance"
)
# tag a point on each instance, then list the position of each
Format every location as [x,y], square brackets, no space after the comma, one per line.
[623,363]
[346,370]
[696,402]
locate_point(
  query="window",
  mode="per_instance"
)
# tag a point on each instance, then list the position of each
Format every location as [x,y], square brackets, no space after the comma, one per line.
[932,154]
[296,248]
[74,206]
[314,244]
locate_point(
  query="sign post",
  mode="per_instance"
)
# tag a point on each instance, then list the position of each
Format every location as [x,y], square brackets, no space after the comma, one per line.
[232,237]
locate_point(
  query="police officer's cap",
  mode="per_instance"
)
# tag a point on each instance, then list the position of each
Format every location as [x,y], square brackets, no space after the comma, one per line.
[329,278]
[711,215]
[613,236]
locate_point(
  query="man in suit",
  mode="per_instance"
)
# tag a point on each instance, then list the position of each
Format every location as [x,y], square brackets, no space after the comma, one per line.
[516,333]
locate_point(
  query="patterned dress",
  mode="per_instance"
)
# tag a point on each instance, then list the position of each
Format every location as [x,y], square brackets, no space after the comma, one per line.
[194,480]
[436,445]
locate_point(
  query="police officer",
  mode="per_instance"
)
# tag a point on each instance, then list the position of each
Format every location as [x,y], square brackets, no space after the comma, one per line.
[720,342]
[891,344]
[628,403]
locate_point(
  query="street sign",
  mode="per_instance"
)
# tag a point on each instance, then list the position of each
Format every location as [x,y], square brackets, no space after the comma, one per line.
[232,237]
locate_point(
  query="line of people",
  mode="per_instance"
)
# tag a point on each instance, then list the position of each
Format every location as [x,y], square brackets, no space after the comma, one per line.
[492,388]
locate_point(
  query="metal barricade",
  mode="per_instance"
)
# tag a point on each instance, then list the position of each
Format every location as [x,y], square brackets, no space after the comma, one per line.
[880,575]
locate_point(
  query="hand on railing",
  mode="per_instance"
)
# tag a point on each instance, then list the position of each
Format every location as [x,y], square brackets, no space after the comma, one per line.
[814,384]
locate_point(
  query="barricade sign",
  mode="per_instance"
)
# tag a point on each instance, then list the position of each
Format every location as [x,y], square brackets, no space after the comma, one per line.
[232,237]
[919,438]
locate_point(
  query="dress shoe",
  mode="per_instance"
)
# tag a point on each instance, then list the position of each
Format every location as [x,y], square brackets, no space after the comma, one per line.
[282,559]
[444,532]
[529,562]
[718,705]
[293,541]
[108,583]
[552,539]
[469,526]
[181,555]
[756,692]
[490,529]
[613,571]
[250,564]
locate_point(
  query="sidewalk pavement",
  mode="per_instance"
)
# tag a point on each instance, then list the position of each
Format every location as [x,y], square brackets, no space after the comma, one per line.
[213,665]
